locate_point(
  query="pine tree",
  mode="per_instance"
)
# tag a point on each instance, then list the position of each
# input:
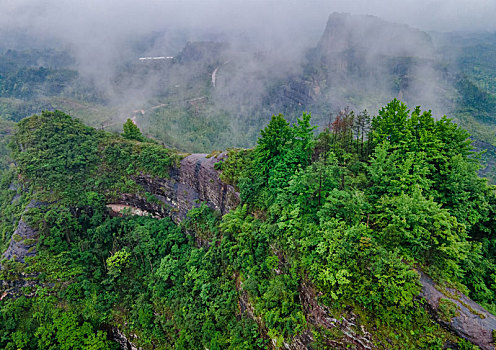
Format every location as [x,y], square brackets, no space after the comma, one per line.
[131,131]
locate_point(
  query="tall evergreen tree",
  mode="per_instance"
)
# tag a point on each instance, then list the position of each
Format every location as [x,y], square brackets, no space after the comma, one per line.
[131,131]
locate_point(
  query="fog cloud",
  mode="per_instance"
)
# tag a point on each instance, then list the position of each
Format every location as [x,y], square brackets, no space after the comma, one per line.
[114,19]
[103,34]
[97,29]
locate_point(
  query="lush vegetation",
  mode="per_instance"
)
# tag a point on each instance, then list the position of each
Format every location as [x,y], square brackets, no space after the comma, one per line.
[351,214]
[65,160]
[364,214]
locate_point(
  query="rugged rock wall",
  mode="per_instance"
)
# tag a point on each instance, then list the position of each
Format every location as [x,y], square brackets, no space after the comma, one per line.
[23,241]
[372,36]
[193,182]
[22,245]
[471,321]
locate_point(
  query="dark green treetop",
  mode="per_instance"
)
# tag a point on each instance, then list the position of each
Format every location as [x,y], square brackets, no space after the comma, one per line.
[131,131]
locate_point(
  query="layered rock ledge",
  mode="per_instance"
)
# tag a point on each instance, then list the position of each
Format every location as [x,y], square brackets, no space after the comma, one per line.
[470,320]
[195,181]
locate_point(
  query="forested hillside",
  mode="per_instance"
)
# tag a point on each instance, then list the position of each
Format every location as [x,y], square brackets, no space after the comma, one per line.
[343,222]
[330,246]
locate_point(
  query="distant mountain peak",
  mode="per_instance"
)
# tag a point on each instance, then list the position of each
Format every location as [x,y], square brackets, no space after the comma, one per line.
[374,35]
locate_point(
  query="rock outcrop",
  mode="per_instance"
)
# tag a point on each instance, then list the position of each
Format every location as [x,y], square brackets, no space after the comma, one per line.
[193,182]
[22,245]
[121,339]
[372,36]
[468,319]
[320,317]
[23,241]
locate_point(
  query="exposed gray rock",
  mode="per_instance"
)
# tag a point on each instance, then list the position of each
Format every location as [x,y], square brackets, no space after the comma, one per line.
[193,182]
[197,172]
[372,37]
[320,317]
[121,339]
[22,244]
[472,321]
[23,241]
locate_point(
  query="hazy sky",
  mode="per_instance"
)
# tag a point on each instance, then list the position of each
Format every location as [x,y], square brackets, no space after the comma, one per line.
[82,17]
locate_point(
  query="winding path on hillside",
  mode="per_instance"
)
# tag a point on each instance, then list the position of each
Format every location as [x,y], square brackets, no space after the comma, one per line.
[214,73]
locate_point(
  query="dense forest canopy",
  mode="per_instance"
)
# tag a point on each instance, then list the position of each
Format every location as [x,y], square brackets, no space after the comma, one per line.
[345,220]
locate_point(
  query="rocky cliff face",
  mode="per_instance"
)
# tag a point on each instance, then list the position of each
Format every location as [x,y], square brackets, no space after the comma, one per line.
[193,182]
[22,245]
[362,59]
[466,319]
[23,241]
[372,36]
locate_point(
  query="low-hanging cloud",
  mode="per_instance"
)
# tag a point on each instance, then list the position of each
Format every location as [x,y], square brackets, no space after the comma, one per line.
[98,29]
[113,19]
[100,33]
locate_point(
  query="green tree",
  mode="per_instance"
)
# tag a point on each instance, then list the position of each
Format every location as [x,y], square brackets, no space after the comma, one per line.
[132,132]
[280,151]
[423,230]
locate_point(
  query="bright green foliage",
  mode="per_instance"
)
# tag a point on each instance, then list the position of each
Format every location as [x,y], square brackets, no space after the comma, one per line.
[349,264]
[141,274]
[66,159]
[232,167]
[422,230]
[391,124]
[273,294]
[310,186]
[341,222]
[55,151]
[40,323]
[356,228]
[415,150]
[132,132]
[281,150]
[201,222]
[274,139]
[117,261]
[415,157]
[67,332]
[391,172]
[480,272]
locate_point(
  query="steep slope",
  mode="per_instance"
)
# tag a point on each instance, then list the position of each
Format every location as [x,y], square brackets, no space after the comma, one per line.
[327,249]
[192,182]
